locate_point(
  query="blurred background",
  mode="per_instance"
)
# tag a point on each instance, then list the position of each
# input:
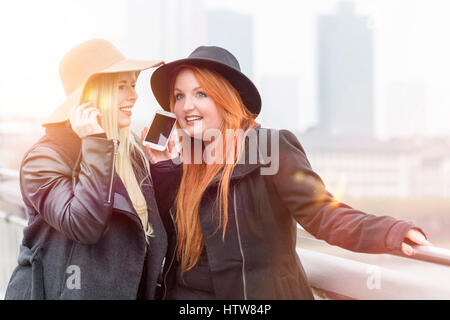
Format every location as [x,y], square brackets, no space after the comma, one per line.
[363,84]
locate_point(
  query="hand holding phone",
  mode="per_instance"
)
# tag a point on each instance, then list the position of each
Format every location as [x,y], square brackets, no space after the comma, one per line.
[155,156]
[84,120]
[157,140]
[160,130]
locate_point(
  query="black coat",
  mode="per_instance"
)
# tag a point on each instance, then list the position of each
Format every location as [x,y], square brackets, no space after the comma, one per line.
[258,259]
[82,223]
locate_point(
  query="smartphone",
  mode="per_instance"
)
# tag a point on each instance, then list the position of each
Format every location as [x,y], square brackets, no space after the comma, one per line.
[160,130]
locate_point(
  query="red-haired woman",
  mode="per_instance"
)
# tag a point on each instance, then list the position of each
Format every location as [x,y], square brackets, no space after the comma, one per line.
[233,203]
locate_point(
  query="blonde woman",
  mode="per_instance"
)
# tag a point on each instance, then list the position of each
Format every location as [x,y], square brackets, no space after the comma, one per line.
[233,220]
[94,230]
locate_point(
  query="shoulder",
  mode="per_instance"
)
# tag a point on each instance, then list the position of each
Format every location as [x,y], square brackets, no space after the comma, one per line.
[282,140]
[282,151]
[45,156]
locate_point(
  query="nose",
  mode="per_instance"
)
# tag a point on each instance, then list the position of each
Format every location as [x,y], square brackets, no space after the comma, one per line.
[188,104]
[133,95]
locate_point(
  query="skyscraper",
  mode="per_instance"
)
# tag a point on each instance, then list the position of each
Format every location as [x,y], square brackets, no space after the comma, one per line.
[160,29]
[166,29]
[345,73]
[280,102]
[233,32]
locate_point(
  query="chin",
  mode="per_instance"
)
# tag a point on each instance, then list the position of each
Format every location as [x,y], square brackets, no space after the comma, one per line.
[190,132]
[124,125]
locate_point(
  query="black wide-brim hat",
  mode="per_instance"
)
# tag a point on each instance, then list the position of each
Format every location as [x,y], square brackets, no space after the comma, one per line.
[213,58]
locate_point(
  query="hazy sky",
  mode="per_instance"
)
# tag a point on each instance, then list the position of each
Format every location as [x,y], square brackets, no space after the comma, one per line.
[411,46]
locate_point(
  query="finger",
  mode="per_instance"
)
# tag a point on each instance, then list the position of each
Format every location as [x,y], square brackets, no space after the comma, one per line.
[84,105]
[93,115]
[148,152]
[417,237]
[78,111]
[146,148]
[170,146]
[150,155]
[86,112]
[143,134]
[173,136]
[81,107]
[407,249]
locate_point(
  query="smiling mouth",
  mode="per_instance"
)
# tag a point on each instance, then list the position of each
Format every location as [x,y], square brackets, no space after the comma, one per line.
[193,118]
[126,108]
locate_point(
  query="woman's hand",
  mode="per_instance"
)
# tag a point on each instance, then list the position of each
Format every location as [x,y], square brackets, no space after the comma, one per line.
[155,156]
[83,119]
[417,238]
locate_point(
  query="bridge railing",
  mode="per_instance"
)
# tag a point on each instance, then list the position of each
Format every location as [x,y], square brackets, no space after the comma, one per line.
[424,276]
[330,276]
[11,228]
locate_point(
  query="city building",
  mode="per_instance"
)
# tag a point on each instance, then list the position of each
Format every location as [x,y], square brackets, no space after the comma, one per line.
[345,73]
[365,167]
[234,32]
[164,29]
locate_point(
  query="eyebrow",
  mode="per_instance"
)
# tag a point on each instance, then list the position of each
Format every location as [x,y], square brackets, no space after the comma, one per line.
[125,81]
[192,89]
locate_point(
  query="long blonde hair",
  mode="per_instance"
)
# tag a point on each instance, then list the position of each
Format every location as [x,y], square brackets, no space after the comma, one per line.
[102,90]
[237,117]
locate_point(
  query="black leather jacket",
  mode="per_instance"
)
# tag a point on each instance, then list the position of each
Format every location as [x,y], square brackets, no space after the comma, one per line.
[82,224]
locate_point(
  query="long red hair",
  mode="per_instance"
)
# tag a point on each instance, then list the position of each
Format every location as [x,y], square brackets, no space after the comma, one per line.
[237,117]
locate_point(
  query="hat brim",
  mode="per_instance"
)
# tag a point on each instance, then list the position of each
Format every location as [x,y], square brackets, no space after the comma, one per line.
[61,114]
[160,82]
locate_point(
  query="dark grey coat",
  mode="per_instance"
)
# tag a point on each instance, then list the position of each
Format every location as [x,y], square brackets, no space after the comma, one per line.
[84,239]
[258,259]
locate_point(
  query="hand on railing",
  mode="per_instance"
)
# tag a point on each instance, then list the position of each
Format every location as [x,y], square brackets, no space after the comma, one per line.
[413,237]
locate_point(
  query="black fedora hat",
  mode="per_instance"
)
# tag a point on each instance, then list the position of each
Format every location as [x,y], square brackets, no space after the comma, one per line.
[213,58]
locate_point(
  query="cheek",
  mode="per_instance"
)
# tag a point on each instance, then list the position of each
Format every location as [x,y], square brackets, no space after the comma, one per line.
[120,97]
[177,110]
[178,114]
[215,117]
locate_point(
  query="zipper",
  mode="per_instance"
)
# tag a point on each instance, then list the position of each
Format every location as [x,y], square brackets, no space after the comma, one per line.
[244,283]
[116,148]
[173,255]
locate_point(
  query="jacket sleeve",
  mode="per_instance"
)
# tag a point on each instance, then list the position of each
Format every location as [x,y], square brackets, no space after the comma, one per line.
[166,177]
[303,193]
[80,211]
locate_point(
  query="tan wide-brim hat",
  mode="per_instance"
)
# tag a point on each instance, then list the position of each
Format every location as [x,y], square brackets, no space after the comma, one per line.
[85,60]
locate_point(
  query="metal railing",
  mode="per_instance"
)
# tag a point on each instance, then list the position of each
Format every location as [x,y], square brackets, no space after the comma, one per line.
[11,232]
[334,277]
[330,276]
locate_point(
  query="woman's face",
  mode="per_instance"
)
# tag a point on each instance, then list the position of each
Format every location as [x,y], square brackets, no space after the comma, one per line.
[196,112]
[127,97]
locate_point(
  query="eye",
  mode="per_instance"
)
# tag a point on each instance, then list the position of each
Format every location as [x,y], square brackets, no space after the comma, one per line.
[121,87]
[178,96]
[201,94]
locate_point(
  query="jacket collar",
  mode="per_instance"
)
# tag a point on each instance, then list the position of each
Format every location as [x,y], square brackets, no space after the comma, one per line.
[65,137]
